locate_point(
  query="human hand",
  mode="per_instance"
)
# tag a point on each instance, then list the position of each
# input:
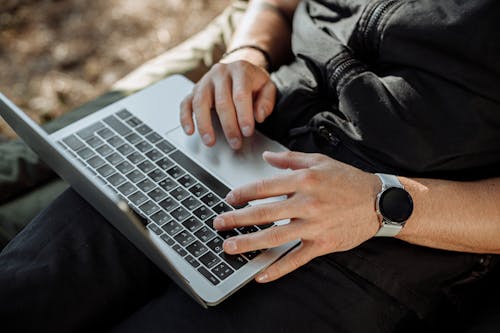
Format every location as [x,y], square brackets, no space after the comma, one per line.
[331,206]
[241,93]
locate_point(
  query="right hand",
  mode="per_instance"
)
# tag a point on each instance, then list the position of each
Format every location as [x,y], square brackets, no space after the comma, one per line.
[239,91]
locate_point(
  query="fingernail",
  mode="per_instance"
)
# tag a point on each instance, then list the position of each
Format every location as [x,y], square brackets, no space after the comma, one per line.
[219,222]
[230,245]
[246,130]
[263,113]
[207,139]
[234,143]
[187,129]
[230,197]
[262,278]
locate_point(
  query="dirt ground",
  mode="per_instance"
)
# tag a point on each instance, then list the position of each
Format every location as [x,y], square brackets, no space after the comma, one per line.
[58,54]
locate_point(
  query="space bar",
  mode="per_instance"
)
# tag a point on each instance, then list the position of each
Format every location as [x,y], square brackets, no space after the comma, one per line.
[203,176]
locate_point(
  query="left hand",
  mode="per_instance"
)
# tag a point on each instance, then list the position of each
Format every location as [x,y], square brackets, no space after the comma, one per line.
[331,206]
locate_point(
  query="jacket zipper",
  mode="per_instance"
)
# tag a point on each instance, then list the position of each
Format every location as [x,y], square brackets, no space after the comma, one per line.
[369,34]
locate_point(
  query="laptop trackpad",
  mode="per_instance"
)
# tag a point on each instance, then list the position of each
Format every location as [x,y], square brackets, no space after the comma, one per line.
[235,168]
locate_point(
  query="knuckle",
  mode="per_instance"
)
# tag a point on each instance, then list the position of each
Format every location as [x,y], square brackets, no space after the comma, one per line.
[309,179]
[275,236]
[240,96]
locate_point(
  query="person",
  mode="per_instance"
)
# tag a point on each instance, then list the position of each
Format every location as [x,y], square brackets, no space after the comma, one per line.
[366,90]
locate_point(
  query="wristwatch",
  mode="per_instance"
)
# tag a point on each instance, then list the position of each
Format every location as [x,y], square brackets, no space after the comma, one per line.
[394,206]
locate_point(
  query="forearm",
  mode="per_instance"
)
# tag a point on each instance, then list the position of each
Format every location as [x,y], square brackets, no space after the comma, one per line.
[458,216]
[267,24]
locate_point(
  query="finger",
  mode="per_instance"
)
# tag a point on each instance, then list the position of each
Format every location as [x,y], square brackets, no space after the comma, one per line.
[202,105]
[264,188]
[265,101]
[186,114]
[292,160]
[296,258]
[260,214]
[263,239]
[242,97]
[227,113]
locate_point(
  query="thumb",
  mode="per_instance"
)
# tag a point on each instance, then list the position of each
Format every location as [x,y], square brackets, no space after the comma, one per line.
[265,100]
[291,159]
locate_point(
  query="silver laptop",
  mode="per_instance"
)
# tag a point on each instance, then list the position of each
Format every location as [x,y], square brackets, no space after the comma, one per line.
[159,187]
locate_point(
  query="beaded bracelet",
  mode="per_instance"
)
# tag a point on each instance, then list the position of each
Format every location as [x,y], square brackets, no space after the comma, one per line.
[266,55]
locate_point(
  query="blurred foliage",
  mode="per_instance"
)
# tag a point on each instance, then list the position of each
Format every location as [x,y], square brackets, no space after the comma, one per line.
[58,54]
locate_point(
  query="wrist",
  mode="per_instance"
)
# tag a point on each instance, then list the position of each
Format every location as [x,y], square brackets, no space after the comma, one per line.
[255,56]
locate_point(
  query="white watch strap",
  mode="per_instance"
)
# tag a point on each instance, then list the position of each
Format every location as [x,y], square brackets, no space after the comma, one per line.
[387,229]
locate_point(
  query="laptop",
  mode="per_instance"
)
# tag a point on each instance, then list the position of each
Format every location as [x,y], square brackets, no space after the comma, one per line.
[160,188]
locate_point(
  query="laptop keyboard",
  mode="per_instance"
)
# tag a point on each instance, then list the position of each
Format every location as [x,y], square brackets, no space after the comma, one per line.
[176,197]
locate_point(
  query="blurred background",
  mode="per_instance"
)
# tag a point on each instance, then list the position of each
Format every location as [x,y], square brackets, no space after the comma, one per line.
[58,54]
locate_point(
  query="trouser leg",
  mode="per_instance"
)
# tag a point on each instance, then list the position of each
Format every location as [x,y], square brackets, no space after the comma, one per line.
[69,270]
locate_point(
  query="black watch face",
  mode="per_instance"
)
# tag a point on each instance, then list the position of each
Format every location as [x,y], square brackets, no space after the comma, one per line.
[396,205]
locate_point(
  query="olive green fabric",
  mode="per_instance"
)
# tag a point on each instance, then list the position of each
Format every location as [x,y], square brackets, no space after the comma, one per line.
[27,185]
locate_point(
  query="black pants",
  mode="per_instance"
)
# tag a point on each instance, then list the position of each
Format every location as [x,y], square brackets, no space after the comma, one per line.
[70,271]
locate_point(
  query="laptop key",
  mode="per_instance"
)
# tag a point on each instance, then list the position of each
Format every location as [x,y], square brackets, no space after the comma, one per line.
[127,189]
[116,179]
[117,125]
[202,175]
[209,260]
[114,159]
[135,158]
[204,234]
[203,213]
[210,199]
[197,249]
[184,238]
[146,185]
[94,141]
[221,207]
[143,146]
[203,271]
[171,227]
[153,137]
[227,233]
[248,229]
[179,250]
[115,141]
[167,239]
[161,218]
[138,198]
[146,166]
[222,271]
[104,150]
[135,176]
[179,193]
[106,170]
[167,184]
[156,229]
[125,167]
[216,245]
[133,138]
[125,149]
[154,154]
[180,214]
[105,133]
[89,130]
[85,153]
[175,172]
[134,121]
[149,208]
[143,129]
[192,224]
[235,261]
[252,254]
[157,175]
[198,190]
[191,203]
[192,261]
[169,204]
[165,146]
[73,142]
[186,181]
[157,194]
[165,163]
[124,114]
